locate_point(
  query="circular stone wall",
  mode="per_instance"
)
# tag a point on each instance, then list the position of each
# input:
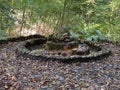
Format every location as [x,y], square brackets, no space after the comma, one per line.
[34,49]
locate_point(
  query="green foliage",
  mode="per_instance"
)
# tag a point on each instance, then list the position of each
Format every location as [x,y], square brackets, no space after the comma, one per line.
[88,19]
[6,17]
[76,36]
[96,35]
[87,15]
[6,11]
[3,35]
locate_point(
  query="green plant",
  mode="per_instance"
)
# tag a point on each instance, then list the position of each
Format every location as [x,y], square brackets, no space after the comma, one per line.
[96,35]
[3,35]
[6,14]
[81,16]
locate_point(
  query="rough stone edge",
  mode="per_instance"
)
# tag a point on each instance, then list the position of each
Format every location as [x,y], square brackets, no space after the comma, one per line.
[26,53]
[20,38]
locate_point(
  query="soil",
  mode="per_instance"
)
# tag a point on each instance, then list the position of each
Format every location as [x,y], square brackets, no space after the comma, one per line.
[19,73]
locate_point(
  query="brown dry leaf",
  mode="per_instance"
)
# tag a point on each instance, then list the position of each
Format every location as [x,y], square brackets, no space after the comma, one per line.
[28,88]
[65,48]
[13,78]
[45,82]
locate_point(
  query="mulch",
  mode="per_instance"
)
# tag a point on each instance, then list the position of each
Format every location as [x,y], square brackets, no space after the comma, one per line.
[19,73]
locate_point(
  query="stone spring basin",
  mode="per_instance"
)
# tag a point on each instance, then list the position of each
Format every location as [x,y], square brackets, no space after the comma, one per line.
[39,48]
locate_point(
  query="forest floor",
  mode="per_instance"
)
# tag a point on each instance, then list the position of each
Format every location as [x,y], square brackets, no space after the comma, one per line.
[19,73]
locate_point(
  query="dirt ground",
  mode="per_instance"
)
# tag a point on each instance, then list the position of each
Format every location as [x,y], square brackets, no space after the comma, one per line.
[19,73]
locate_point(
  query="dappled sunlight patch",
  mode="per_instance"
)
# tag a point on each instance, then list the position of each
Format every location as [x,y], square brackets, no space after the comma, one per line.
[37,28]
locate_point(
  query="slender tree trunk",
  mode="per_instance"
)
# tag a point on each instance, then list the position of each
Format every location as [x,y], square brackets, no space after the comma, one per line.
[68,18]
[63,13]
[1,21]
[23,17]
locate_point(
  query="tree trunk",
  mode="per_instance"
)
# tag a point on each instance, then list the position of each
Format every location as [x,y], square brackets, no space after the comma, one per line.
[63,13]
[23,16]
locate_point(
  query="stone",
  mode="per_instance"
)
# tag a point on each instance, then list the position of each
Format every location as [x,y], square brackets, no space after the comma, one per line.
[63,51]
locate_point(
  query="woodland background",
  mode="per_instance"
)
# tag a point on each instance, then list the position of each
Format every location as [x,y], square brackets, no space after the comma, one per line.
[87,19]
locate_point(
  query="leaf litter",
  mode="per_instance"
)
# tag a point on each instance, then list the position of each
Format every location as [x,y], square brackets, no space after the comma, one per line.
[19,73]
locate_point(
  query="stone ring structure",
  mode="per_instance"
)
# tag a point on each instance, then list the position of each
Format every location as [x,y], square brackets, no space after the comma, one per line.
[35,49]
